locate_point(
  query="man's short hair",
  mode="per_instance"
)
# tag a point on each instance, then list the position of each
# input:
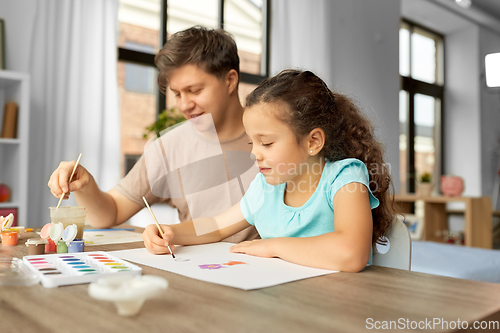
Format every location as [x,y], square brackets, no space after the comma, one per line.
[213,50]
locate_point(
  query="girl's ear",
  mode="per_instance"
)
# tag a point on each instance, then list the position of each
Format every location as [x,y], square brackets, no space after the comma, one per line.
[316,141]
[232,80]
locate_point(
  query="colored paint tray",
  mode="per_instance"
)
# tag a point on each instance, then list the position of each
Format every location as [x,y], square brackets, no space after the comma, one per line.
[64,269]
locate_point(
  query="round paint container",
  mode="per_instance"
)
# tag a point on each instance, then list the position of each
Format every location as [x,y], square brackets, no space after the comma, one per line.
[36,246]
[77,245]
[56,232]
[62,247]
[9,238]
[51,246]
[7,221]
[45,234]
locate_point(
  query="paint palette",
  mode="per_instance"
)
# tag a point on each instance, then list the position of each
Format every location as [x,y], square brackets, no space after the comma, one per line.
[65,269]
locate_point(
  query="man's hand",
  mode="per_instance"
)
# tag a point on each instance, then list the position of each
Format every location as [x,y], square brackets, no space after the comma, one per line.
[58,181]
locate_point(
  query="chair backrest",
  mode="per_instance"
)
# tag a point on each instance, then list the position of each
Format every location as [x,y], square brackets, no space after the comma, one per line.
[396,253]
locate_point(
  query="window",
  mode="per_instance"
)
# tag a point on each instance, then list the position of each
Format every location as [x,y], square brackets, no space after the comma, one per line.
[420,103]
[140,78]
[144,27]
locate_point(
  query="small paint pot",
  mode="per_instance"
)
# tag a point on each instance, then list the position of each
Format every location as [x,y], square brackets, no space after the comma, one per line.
[50,246]
[77,245]
[36,246]
[9,238]
[62,247]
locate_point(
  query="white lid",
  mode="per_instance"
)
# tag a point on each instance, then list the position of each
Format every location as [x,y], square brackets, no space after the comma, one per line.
[36,241]
[45,232]
[56,232]
[128,293]
[7,222]
[69,233]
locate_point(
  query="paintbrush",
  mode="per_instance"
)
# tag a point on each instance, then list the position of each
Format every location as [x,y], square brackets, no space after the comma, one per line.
[157,225]
[70,177]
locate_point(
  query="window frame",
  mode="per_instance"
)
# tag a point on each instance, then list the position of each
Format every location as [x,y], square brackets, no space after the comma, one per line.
[147,59]
[412,87]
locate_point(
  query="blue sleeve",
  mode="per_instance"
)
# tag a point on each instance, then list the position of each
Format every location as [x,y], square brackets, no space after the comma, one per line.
[253,199]
[348,171]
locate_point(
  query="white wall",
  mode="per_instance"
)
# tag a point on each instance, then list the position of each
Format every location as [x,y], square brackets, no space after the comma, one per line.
[19,19]
[353,46]
[462,118]
[489,42]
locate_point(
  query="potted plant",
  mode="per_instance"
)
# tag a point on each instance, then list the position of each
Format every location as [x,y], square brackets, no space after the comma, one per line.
[166,119]
[424,185]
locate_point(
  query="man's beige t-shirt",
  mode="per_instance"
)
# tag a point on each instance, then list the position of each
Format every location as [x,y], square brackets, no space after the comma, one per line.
[136,184]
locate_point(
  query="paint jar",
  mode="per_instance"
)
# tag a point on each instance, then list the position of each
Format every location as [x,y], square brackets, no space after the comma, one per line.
[77,245]
[50,246]
[9,238]
[36,246]
[62,247]
[69,215]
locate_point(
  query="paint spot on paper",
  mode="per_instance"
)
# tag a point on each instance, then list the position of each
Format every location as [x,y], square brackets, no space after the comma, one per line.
[181,259]
[225,265]
[210,266]
[232,263]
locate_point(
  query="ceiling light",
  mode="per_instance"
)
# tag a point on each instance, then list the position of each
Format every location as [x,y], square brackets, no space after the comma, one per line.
[492,68]
[463,3]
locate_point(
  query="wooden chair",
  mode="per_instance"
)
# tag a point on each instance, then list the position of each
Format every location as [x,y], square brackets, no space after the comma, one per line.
[396,253]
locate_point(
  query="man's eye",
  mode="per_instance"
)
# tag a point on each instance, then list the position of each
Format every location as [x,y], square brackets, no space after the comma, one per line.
[250,143]
[195,91]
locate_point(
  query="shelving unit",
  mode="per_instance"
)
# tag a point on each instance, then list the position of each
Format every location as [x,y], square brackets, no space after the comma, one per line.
[14,86]
[477,213]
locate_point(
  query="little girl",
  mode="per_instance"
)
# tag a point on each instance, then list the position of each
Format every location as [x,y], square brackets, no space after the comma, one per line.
[314,201]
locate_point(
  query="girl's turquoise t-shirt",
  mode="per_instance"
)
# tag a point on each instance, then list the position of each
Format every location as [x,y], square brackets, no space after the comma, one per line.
[263,206]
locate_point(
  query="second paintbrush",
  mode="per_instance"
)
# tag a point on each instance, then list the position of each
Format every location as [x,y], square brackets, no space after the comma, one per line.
[157,225]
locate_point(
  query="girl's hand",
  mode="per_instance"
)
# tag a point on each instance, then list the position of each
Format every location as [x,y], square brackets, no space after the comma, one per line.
[257,247]
[153,241]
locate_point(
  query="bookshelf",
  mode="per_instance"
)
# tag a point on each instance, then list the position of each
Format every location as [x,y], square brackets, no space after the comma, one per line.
[477,213]
[14,87]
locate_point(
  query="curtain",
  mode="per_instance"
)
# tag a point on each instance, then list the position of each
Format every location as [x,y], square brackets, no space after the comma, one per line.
[300,36]
[74,101]
[353,46]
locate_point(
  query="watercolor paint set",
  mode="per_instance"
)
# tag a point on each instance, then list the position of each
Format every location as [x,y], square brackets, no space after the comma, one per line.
[63,269]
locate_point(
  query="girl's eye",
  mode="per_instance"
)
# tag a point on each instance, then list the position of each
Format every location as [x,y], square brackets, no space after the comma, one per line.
[250,143]
[267,144]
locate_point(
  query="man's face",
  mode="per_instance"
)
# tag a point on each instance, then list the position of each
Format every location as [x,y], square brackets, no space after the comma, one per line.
[197,93]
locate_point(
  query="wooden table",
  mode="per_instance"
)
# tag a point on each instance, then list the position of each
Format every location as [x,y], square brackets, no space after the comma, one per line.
[477,213]
[339,302]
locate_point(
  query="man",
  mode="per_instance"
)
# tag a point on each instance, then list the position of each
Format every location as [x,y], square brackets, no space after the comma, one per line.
[201,67]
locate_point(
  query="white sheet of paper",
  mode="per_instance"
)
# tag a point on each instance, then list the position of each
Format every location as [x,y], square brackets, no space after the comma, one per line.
[111,237]
[212,263]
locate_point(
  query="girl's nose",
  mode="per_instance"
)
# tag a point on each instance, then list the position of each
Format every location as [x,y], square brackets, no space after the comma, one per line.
[256,155]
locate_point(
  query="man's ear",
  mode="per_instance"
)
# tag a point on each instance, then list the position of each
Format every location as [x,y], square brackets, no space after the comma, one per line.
[232,80]
[315,141]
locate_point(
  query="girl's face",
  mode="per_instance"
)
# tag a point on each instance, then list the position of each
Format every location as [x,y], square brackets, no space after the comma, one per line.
[279,157]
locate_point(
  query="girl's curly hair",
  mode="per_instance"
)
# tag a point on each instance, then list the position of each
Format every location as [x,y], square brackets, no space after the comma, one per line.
[348,133]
